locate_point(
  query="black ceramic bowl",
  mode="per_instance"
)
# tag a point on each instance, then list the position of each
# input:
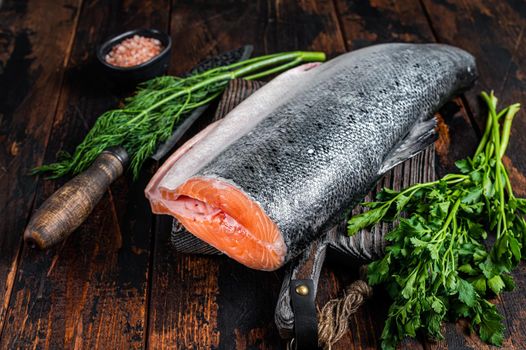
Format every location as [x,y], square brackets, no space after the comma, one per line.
[144,71]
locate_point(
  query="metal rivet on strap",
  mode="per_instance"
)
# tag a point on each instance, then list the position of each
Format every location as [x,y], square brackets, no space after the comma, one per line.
[302,290]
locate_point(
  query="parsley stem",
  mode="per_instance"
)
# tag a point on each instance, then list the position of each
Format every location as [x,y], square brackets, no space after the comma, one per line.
[449,251]
[444,227]
[449,178]
[506,127]
[487,131]
[495,134]
[508,184]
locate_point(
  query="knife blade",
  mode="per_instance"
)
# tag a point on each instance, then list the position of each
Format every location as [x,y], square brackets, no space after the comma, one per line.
[223,59]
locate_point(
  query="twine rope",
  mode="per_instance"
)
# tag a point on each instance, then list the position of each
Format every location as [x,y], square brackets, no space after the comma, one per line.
[333,320]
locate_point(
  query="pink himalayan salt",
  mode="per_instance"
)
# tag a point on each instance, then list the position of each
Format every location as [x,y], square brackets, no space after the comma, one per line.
[133,51]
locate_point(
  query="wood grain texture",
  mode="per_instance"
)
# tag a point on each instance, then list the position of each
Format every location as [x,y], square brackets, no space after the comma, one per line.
[94,290]
[35,41]
[493,31]
[91,291]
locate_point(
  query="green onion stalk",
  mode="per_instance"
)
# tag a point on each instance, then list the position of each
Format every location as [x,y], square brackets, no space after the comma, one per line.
[149,117]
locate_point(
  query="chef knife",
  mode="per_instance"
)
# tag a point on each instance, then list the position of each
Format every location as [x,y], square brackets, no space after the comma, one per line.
[67,208]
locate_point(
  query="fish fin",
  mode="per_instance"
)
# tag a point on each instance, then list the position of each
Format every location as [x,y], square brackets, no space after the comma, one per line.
[419,137]
[185,242]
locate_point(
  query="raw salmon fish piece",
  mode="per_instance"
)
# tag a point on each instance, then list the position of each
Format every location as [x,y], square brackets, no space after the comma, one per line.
[291,160]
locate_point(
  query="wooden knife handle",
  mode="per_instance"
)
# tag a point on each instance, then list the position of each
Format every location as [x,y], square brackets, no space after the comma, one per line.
[71,204]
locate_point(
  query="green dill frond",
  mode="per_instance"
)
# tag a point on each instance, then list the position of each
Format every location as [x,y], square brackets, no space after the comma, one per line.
[149,117]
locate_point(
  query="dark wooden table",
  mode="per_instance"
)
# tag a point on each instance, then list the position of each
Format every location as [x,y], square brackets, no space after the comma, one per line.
[116,283]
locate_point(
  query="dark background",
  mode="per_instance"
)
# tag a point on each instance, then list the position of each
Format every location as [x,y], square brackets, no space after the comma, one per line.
[115,283]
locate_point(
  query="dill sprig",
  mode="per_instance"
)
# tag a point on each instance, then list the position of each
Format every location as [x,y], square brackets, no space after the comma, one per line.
[149,117]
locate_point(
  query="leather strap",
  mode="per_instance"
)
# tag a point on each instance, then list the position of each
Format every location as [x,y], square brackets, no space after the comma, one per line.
[304,308]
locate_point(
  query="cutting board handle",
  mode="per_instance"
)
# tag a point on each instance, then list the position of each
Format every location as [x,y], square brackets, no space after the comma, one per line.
[71,204]
[306,267]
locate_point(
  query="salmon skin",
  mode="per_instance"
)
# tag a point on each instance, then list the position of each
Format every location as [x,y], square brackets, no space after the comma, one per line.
[290,161]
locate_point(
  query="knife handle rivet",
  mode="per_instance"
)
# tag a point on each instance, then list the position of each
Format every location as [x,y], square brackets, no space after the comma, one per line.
[302,290]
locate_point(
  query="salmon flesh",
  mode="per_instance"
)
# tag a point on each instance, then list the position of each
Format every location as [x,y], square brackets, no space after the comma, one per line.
[290,161]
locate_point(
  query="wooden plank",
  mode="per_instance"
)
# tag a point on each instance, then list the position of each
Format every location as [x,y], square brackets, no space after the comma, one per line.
[365,23]
[230,306]
[35,41]
[200,31]
[494,32]
[91,291]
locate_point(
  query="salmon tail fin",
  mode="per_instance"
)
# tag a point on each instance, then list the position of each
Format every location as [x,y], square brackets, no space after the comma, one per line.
[419,138]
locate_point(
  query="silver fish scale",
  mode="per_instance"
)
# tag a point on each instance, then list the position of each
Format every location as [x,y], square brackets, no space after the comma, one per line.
[321,151]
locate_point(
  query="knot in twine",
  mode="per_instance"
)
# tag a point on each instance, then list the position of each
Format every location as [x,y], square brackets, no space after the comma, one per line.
[334,317]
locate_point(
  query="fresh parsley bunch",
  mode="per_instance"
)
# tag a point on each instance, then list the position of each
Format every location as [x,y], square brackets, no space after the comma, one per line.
[437,264]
